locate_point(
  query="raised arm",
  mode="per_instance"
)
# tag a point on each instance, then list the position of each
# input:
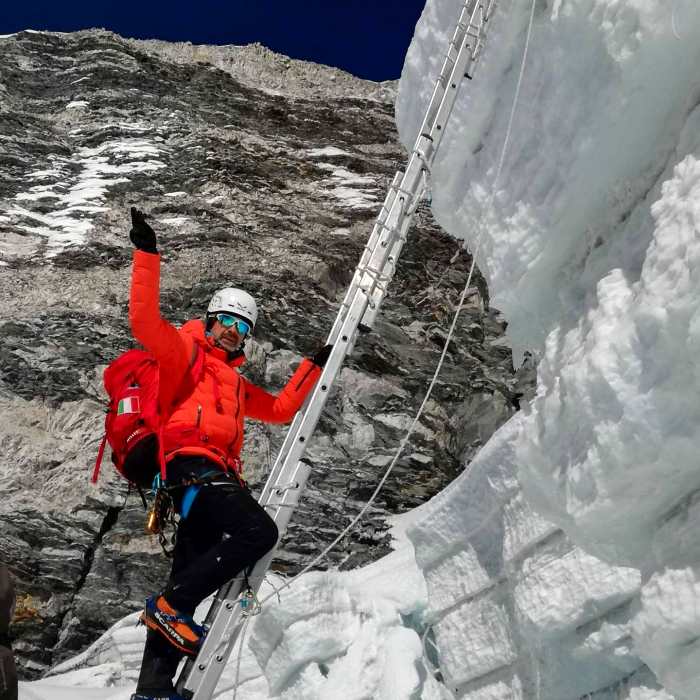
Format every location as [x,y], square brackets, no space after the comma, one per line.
[158,336]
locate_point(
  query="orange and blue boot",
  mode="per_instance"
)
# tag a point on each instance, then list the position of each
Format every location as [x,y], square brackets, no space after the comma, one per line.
[179,629]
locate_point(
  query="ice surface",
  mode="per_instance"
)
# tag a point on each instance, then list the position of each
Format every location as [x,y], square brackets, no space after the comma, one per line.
[333,637]
[590,243]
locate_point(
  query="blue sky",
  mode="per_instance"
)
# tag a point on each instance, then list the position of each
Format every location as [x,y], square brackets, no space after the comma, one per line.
[368,38]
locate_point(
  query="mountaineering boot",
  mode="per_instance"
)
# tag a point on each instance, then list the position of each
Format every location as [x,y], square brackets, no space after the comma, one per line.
[180,630]
[148,696]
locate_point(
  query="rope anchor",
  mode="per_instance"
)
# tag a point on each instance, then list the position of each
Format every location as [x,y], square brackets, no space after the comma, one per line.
[250,605]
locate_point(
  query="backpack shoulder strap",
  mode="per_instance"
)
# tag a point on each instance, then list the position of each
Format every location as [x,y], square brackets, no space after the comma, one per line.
[98,461]
[192,378]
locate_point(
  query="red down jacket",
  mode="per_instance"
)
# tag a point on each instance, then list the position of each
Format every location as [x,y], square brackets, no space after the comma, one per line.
[210,421]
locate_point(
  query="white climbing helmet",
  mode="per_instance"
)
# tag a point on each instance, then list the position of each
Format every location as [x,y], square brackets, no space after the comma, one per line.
[234,301]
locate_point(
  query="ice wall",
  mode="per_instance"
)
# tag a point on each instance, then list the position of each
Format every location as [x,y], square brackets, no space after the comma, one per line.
[590,244]
[516,609]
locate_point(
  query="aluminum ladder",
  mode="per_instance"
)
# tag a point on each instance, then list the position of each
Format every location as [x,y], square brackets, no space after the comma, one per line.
[359,309]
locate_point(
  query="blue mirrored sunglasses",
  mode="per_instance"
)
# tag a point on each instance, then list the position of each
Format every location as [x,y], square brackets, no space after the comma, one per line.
[228,321]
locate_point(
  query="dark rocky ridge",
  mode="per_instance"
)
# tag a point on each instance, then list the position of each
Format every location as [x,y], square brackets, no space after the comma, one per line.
[241,191]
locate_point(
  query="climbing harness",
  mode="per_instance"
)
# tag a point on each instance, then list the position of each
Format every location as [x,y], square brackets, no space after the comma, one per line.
[358,311]
[160,515]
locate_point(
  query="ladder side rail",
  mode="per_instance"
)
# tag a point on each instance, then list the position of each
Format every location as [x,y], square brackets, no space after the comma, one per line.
[377,297]
[378,294]
[471,40]
[421,159]
[447,67]
[469,54]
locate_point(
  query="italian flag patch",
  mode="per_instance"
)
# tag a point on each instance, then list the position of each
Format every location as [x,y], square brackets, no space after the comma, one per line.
[128,405]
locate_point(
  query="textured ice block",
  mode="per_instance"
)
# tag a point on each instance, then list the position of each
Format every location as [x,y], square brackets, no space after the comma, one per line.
[475,639]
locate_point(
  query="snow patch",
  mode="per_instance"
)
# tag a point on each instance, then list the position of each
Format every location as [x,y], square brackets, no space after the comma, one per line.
[82,193]
[326,151]
[174,220]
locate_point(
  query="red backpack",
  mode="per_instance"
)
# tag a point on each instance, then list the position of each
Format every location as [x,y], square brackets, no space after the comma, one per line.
[134,424]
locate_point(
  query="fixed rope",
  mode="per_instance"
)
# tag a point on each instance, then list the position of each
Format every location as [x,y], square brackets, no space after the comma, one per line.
[430,667]
[416,419]
[450,333]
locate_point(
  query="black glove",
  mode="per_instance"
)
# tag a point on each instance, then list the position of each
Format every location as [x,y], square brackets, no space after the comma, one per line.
[321,356]
[141,234]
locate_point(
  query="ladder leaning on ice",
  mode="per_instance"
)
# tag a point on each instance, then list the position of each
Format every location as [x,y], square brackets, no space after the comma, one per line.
[358,312]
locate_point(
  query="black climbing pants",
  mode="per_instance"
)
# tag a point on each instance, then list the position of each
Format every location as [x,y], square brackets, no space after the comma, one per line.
[225,532]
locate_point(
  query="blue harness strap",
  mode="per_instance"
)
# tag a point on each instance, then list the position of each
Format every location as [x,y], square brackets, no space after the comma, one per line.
[188,499]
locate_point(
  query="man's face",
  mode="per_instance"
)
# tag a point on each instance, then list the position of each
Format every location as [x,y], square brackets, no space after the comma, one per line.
[228,338]
[227,332]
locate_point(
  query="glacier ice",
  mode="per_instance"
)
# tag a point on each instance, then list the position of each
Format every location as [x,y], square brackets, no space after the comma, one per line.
[589,243]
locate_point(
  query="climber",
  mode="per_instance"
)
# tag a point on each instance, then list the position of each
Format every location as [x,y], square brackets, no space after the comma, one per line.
[222,529]
[8,671]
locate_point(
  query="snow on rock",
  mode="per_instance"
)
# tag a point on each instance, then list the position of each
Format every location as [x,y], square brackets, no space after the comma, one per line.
[327,151]
[590,243]
[84,180]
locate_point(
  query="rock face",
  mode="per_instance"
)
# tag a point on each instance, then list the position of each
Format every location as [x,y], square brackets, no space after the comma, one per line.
[256,66]
[273,192]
